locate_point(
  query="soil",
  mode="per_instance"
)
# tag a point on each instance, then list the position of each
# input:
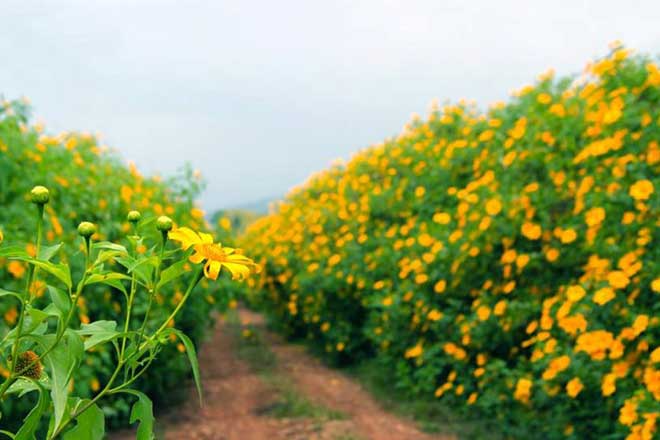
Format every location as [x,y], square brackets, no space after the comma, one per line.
[235,396]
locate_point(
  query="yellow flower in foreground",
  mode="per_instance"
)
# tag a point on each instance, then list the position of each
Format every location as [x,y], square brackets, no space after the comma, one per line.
[215,255]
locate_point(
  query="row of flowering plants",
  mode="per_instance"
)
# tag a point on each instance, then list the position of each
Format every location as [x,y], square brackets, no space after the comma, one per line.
[505,261]
[57,286]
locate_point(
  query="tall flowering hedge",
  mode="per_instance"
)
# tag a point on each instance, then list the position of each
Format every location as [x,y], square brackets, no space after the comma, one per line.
[88,182]
[505,262]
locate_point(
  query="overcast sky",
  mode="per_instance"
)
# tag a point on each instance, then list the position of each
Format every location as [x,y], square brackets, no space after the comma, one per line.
[259,94]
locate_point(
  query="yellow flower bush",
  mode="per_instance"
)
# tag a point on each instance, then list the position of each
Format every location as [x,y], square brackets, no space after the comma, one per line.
[505,261]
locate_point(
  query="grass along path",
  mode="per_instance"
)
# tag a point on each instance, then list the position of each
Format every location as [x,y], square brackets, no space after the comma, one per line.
[257,386]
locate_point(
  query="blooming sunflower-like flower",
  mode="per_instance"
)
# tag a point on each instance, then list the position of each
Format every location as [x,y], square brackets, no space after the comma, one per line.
[214,255]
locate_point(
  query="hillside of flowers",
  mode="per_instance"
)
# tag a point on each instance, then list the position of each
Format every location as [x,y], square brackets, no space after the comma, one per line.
[505,261]
[87,182]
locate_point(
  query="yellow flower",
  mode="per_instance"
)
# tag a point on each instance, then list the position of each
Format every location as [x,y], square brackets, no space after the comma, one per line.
[608,386]
[531,230]
[523,390]
[16,269]
[655,355]
[556,366]
[414,352]
[574,386]
[442,218]
[655,285]
[628,413]
[552,254]
[94,384]
[215,255]
[483,312]
[434,315]
[568,236]
[575,293]
[493,207]
[604,295]
[641,190]
[594,216]
[440,286]
[640,324]
[618,279]
[500,308]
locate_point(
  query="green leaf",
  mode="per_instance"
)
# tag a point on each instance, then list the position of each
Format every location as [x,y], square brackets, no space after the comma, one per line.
[104,256]
[14,252]
[22,386]
[60,299]
[4,292]
[173,272]
[47,252]
[90,425]
[62,361]
[142,267]
[31,422]
[58,270]
[34,318]
[98,332]
[7,433]
[143,411]
[192,358]
[105,278]
[110,246]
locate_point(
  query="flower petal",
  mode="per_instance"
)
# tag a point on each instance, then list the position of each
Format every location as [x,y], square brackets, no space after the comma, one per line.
[186,236]
[212,269]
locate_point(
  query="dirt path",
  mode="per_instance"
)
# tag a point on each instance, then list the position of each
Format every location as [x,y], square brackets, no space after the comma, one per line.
[237,399]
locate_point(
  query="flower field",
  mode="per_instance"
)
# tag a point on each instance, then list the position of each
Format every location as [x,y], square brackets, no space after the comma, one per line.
[87,183]
[505,261]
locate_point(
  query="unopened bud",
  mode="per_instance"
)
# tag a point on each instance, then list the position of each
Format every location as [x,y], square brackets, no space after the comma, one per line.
[39,195]
[86,229]
[164,223]
[134,216]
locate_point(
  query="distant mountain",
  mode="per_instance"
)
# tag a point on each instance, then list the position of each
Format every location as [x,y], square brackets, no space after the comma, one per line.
[257,206]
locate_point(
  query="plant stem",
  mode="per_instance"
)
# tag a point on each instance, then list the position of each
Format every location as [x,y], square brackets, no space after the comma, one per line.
[197,276]
[155,291]
[24,302]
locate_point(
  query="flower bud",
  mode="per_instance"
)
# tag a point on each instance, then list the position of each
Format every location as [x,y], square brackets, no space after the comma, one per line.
[86,229]
[39,195]
[164,223]
[134,216]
